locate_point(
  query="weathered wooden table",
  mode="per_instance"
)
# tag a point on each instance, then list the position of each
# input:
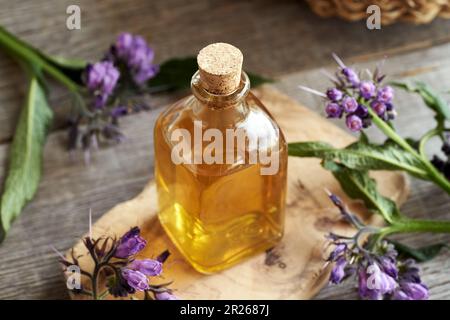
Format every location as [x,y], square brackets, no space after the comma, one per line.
[281,39]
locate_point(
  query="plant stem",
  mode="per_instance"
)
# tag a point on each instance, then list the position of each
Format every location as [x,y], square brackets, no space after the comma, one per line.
[389,132]
[423,141]
[416,225]
[433,174]
[19,49]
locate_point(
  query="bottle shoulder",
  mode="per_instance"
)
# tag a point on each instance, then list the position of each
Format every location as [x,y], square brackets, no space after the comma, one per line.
[251,117]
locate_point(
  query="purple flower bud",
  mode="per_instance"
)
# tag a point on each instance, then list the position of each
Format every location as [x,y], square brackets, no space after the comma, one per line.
[123,44]
[334,94]
[165,296]
[135,279]
[410,271]
[102,76]
[130,244]
[149,267]
[354,123]
[385,94]
[379,280]
[137,55]
[145,73]
[141,56]
[367,89]
[351,76]
[350,105]
[333,110]
[362,111]
[364,291]
[338,272]
[389,266]
[411,291]
[379,108]
[338,250]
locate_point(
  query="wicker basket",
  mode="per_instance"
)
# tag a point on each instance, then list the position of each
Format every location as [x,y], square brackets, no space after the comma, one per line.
[415,11]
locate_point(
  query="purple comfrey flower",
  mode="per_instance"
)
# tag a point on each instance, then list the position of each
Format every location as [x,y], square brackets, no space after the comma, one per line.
[380,275]
[338,272]
[135,279]
[333,110]
[375,283]
[145,73]
[363,289]
[367,89]
[101,79]
[354,123]
[411,291]
[130,244]
[334,94]
[149,267]
[355,96]
[389,266]
[350,104]
[137,55]
[379,108]
[166,295]
[123,44]
[337,252]
[351,76]
[385,94]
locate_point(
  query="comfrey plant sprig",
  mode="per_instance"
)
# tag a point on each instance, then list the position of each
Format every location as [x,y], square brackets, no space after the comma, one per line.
[115,265]
[380,274]
[352,98]
[102,92]
[114,88]
[364,100]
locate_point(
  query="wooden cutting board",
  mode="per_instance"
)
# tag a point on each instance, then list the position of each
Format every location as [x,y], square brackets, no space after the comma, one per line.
[293,269]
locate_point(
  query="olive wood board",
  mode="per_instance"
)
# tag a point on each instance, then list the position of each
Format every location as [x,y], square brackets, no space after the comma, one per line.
[294,268]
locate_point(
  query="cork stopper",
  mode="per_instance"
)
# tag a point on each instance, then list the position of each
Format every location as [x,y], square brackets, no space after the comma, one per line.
[220,66]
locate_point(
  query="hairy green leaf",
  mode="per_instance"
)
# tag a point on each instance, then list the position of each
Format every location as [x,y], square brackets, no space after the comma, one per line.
[430,98]
[25,159]
[421,254]
[359,185]
[362,155]
[177,73]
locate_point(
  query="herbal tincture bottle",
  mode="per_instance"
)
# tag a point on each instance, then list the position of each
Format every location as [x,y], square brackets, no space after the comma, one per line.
[220,166]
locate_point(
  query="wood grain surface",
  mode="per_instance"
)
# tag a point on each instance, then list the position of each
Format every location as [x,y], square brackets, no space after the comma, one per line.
[279,38]
[291,270]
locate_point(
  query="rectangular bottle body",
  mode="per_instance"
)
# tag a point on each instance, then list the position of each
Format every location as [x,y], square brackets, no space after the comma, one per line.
[219,213]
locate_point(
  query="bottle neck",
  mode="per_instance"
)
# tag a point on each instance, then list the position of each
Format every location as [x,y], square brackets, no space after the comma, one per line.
[220,101]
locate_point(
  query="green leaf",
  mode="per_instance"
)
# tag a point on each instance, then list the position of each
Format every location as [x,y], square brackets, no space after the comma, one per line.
[176,74]
[67,62]
[358,185]
[430,98]
[71,68]
[25,159]
[421,254]
[362,155]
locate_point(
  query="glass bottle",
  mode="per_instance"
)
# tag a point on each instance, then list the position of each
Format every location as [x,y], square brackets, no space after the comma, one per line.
[220,169]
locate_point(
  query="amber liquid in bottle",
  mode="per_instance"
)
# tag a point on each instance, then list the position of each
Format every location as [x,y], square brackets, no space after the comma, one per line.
[220,213]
